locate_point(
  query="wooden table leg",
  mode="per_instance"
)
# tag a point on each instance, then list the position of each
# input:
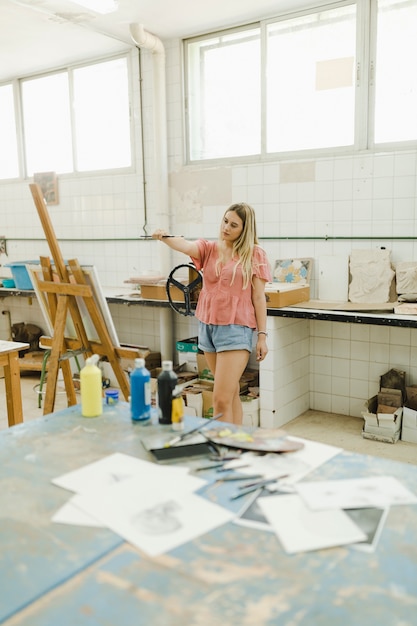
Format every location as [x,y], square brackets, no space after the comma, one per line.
[13,389]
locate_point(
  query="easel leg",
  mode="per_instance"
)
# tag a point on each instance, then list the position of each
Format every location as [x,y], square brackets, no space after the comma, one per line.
[59,330]
[69,384]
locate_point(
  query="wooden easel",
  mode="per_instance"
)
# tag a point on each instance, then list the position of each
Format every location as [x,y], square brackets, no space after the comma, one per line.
[62,297]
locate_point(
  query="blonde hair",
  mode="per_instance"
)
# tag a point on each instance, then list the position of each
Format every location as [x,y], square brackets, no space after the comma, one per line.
[244,245]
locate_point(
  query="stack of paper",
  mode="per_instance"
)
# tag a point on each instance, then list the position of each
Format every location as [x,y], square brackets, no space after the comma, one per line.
[150,506]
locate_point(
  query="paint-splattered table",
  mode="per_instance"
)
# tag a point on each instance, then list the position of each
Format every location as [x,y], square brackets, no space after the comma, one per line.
[59,575]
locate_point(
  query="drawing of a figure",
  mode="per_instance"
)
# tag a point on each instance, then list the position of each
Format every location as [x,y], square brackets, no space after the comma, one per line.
[159,519]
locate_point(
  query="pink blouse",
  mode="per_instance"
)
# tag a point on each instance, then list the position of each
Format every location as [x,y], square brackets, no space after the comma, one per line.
[220,302]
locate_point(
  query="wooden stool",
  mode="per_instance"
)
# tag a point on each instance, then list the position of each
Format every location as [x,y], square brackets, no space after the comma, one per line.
[9,359]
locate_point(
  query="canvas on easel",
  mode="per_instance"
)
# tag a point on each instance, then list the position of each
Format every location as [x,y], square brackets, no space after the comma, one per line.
[92,278]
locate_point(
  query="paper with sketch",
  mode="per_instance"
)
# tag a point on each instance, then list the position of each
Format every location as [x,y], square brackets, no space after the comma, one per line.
[293,465]
[112,470]
[118,467]
[155,521]
[301,530]
[351,493]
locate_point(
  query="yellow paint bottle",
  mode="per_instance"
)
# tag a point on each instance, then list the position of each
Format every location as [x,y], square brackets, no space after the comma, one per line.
[177,410]
[91,388]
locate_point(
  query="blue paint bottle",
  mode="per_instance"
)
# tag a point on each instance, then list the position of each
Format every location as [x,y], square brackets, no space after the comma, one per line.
[140,392]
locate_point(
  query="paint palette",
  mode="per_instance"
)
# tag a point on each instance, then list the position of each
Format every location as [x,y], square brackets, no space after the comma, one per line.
[258,439]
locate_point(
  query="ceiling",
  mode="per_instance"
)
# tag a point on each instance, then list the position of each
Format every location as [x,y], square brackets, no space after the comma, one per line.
[38,35]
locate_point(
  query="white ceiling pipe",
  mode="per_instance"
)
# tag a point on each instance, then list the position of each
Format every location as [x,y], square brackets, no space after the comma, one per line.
[148,41]
[143,39]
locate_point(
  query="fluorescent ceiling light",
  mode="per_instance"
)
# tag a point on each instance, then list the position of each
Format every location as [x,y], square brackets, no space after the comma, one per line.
[99,6]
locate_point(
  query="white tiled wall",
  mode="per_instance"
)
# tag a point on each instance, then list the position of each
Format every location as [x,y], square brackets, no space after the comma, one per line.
[362,200]
[347,360]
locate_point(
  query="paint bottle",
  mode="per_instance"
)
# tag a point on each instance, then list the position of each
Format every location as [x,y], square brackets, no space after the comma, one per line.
[177,410]
[140,392]
[167,381]
[112,396]
[91,388]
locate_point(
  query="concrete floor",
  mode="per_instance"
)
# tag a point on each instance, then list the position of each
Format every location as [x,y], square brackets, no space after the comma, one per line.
[337,430]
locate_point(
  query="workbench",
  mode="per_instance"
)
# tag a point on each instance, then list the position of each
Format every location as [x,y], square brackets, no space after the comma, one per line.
[62,575]
[293,377]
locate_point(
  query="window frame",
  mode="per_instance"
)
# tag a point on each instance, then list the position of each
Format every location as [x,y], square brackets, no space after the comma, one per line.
[366,20]
[17,93]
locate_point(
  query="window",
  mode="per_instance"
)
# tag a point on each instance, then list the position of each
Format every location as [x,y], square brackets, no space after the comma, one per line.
[328,78]
[47,124]
[72,120]
[395,76]
[102,126]
[310,81]
[224,96]
[9,159]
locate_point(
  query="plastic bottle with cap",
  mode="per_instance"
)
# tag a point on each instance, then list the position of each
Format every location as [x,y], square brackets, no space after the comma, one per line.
[167,381]
[140,392]
[91,388]
[177,410]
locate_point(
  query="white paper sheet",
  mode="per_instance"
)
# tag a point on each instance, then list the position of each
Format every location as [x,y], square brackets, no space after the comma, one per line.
[155,521]
[118,467]
[371,521]
[300,530]
[293,465]
[351,493]
[72,515]
[112,470]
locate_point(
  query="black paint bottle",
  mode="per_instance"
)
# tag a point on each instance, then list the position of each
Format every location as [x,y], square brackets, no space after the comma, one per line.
[167,381]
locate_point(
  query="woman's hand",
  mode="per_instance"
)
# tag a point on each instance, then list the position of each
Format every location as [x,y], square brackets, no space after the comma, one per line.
[261,348]
[177,242]
[159,233]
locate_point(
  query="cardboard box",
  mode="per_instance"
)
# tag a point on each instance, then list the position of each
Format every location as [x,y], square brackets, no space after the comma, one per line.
[187,353]
[188,345]
[411,394]
[250,407]
[188,361]
[193,400]
[409,426]
[152,359]
[204,372]
[384,427]
[159,291]
[204,389]
[184,379]
[279,295]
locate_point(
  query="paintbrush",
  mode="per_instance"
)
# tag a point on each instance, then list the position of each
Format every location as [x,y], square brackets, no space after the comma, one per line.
[163,236]
[175,440]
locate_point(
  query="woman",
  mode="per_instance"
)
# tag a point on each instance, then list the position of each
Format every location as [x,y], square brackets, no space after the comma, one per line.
[232,304]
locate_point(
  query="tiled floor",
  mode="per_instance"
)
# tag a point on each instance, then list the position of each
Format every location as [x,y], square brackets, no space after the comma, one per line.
[338,430]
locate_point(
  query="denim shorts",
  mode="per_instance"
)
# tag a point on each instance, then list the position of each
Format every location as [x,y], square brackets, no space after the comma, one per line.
[213,338]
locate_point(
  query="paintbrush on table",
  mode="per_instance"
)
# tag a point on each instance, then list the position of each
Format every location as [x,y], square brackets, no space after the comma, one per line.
[179,438]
